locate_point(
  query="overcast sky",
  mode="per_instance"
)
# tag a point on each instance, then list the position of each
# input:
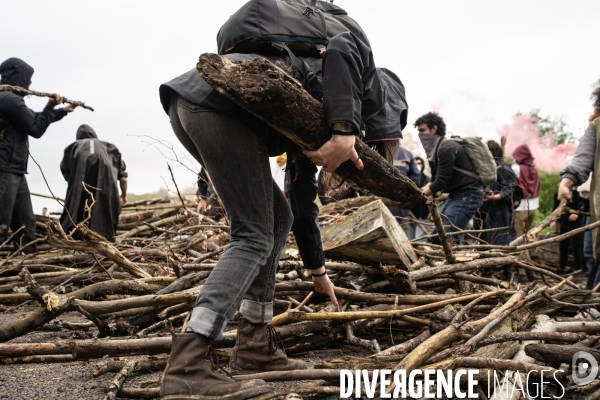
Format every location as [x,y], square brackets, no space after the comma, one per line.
[476,62]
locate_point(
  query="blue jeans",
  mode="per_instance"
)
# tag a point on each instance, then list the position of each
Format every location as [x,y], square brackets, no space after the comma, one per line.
[459,212]
[260,217]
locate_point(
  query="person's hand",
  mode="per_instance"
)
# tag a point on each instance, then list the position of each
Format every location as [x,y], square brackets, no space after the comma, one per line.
[573,217]
[564,189]
[324,285]
[554,226]
[337,150]
[201,206]
[123,199]
[69,108]
[55,100]
[426,190]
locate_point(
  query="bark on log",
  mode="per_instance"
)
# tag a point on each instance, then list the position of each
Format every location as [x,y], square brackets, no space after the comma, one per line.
[278,99]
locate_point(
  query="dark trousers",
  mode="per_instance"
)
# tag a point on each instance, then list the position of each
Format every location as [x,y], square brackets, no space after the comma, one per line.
[16,211]
[576,242]
[260,217]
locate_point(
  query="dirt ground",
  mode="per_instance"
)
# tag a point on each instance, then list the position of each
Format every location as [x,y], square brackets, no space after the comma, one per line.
[74,380]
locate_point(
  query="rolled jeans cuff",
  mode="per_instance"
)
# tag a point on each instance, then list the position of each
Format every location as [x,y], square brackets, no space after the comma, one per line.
[207,323]
[256,312]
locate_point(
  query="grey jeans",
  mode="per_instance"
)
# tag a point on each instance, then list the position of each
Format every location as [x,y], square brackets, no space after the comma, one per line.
[260,217]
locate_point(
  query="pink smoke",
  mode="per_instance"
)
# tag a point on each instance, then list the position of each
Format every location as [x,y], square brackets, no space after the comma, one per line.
[548,157]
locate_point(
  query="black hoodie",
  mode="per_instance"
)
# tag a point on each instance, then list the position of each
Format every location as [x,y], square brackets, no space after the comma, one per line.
[17,121]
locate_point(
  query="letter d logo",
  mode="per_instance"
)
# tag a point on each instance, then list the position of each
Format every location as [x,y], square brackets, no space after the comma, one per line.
[579,370]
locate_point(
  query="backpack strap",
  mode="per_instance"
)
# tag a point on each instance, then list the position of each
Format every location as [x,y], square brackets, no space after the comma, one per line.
[311,78]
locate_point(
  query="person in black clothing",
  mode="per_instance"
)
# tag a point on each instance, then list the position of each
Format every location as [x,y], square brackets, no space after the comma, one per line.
[208,202]
[568,222]
[234,147]
[97,165]
[465,192]
[497,210]
[17,123]
[421,211]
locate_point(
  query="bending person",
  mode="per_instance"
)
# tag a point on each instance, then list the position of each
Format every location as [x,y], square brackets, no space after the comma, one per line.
[234,147]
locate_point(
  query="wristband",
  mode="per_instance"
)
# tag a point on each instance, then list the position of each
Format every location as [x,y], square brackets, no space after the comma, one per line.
[318,275]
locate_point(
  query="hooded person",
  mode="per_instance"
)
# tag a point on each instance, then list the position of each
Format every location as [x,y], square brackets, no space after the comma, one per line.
[17,123]
[99,166]
[528,173]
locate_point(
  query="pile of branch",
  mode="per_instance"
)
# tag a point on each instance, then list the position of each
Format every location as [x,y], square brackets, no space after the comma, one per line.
[137,292]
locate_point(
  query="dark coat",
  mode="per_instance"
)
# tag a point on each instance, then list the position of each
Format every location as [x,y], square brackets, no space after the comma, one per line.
[17,121]
[498,213]
[421,210]
[99,165]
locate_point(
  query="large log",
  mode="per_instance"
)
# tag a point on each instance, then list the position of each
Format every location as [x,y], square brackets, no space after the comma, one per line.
[272,95]
[370,235]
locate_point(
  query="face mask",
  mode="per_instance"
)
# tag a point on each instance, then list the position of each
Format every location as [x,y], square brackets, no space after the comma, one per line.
[420,168]
[430,143]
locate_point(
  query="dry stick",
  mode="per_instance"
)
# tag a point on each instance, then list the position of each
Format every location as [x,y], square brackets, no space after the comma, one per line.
[439,226]
[567,337]
[532,233]
[352,339]
[102,331]
[46,196]
[13,235]
[210,254]
[27,92]
[560,237]
[350,315]
[176,188]
[543,272]
[117,383]
[460,232]
[160,324]
[405,347]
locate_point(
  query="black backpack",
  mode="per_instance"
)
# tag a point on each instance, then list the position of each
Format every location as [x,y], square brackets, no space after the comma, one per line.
[304,25]
[298,27]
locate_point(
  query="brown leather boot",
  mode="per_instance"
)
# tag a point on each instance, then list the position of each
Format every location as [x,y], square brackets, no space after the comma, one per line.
[258,348]
[193,373]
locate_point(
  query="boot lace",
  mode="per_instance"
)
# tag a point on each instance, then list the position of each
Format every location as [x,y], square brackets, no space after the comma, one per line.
[275,342]
[213,358]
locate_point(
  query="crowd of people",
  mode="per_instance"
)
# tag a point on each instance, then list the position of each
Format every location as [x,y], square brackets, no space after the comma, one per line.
[233,147]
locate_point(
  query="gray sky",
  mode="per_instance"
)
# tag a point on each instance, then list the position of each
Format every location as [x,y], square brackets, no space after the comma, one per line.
[476,62]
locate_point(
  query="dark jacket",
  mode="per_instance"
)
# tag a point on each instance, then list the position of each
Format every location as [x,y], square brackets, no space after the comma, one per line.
[99,165]
[498,213]
[448,180]
[17,121]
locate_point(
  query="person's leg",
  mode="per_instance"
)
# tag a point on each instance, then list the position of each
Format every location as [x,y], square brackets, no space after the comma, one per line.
[588,247]
[459,212]
[577,246]
[23,215]
[564,250]
[257,306]
[9,186]
[239,167]
[238,163]
[256,347]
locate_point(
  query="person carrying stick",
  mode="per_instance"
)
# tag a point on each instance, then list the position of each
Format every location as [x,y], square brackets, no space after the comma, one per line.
[17,123]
